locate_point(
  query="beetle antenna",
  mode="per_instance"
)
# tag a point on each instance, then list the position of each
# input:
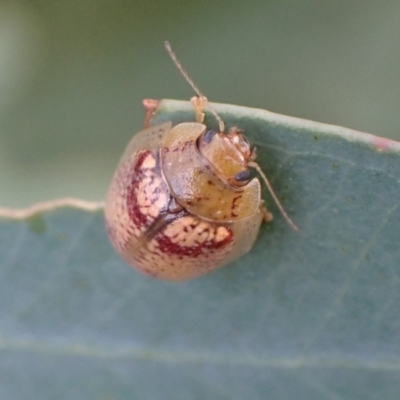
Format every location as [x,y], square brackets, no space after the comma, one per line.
[192,84]
[271,191]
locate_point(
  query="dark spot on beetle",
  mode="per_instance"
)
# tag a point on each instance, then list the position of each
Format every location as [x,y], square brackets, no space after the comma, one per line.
[150,272]
[210,182]
[233,205]
[208,136]
[185,144]
[242,175]
[316,138]
[153,199]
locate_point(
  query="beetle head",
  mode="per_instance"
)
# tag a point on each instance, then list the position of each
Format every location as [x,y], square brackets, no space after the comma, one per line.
[228,153]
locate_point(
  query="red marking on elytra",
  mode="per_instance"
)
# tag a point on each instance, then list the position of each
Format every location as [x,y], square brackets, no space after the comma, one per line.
[138,174]
[233,206]
[166,246]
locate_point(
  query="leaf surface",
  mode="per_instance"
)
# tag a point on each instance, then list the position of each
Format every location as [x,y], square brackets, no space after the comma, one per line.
[308,315]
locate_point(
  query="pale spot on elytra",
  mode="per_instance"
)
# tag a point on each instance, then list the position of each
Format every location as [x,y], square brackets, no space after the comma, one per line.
[222,234]
[149,162]
[162,199]
[189,232]
[149,201]
[178,230]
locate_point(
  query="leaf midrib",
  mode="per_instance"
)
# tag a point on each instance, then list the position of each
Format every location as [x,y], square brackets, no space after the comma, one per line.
[183,357]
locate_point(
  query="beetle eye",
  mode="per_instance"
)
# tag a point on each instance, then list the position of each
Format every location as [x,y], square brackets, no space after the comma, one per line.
[208,136]
[242,176]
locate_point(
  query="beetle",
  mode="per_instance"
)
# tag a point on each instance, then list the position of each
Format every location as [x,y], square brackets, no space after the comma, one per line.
[182,202]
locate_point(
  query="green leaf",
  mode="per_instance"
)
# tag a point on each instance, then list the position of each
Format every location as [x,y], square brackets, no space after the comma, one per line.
[308,315]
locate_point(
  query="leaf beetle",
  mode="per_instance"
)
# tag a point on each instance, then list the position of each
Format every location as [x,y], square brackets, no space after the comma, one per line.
[181,203]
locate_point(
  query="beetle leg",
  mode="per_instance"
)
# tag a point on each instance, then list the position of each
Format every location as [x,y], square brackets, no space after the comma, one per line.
[199,104]
[150,106]
[267,216]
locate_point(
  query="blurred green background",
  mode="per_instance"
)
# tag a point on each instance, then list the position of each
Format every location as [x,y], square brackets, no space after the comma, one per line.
[73,74]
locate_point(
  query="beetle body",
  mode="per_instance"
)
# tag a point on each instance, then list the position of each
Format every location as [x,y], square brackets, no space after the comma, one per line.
[181,203]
